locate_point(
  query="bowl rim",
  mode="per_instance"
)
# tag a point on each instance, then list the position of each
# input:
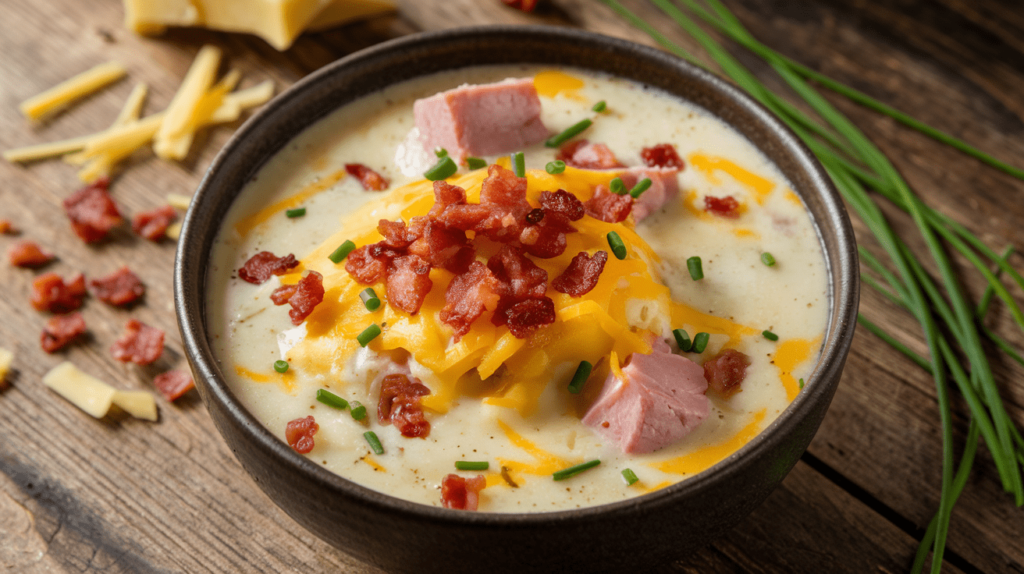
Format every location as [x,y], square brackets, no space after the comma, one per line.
[190,302]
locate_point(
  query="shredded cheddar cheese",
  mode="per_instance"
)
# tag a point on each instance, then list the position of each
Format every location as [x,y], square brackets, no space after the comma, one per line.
[66,92]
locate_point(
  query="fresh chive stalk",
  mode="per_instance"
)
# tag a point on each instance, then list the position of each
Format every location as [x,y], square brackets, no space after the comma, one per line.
[441,153]
[281,366]
[472,465]
[600,106]
[293,213]
[519,164]
[371,437]
[342,252]
[569,133]
[768,259]
[475,163]
[370,333]
[800,383]
[769,335]
[617,186]
[579,378]
[358,411]
[370,300]
[700,342]
[630,477]
[555,167]
[695,267]
[574,470]
[443,169]
[640,187]
[330,399]
[616,245]
[683,340]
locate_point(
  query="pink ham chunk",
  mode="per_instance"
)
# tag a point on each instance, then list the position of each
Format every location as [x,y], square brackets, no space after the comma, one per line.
[664,188]
[487,119]
[659,401]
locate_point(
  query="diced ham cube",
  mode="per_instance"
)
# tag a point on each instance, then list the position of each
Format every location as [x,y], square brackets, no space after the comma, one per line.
[487,119]
[660,401]
[664,188]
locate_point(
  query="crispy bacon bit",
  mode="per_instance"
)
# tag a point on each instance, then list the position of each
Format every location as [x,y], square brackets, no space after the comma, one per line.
[140,344]
[92,211]
[304,296]
[467,297]
[395,234]
[299,434]
[442,247]
[121,287]
[399,405]
[563,202]
[446,194]
[662,155]
[525,317]
[408,282]
[61,330]
[8,228]
[722,206]
[370,180]
[51,293]
[608,206]
[726,371]
[585,155]
[369,263]
[28,254]
[173,384]
[260,267]
[462,493]
[535,216]
[520,277]
[153,224]
[581,275]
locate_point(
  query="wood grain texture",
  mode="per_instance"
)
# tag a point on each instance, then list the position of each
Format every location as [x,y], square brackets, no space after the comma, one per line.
[121,495]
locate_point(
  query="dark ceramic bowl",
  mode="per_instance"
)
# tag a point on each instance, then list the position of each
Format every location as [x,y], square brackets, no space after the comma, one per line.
[405,536]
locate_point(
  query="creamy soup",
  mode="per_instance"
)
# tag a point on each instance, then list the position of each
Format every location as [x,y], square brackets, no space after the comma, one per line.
[493,397]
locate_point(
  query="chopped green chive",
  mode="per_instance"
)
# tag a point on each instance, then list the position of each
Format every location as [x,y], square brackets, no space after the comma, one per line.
[768,259]
[519,164]
[297,212]
[683,340]
[330,399]
[358,410]
[370,333]
[370,299]
[342,251]
[696,268]
[640,187]
[801,383]
[475,163]
[371,437]
[441,152]
[569,133]
[630,477]
[574,470]
[443,169]
[770,336]
[555,167]
[617,186]
[281,366]
[618,247]
[600,106]
[471,465]
[700,342]
[580,377]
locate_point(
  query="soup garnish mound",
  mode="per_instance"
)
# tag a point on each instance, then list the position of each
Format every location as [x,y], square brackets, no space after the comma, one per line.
[514,289]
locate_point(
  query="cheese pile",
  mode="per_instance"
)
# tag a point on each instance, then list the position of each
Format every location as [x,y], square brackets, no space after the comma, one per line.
[199,102]
[278,22]
[609,322]
[96,397]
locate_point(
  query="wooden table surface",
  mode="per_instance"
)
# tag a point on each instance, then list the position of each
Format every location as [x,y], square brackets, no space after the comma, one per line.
[121,495]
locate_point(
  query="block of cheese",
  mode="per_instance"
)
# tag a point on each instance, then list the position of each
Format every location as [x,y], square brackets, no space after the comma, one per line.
[139,404]
[6,358]
[80,389]
[278,22]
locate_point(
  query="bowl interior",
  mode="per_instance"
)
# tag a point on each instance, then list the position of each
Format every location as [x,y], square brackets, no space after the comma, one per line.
[403,59]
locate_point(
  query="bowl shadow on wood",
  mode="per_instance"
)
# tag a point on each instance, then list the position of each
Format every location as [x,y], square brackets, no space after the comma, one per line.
[403,536]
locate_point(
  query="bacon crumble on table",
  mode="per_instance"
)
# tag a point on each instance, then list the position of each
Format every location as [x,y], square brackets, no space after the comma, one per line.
[726,371]
[462,493]
[51,293]
[586,155]
[121,287]
[260,267]
[28,254]
[303,296]
[173,384]
[153,224]
[8,228]
[299,434]
[581,275]
[61,330]
[399,404]
[140,344]
[369,179]
[92,211]
[722,206]
[662,155]
[524,5]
